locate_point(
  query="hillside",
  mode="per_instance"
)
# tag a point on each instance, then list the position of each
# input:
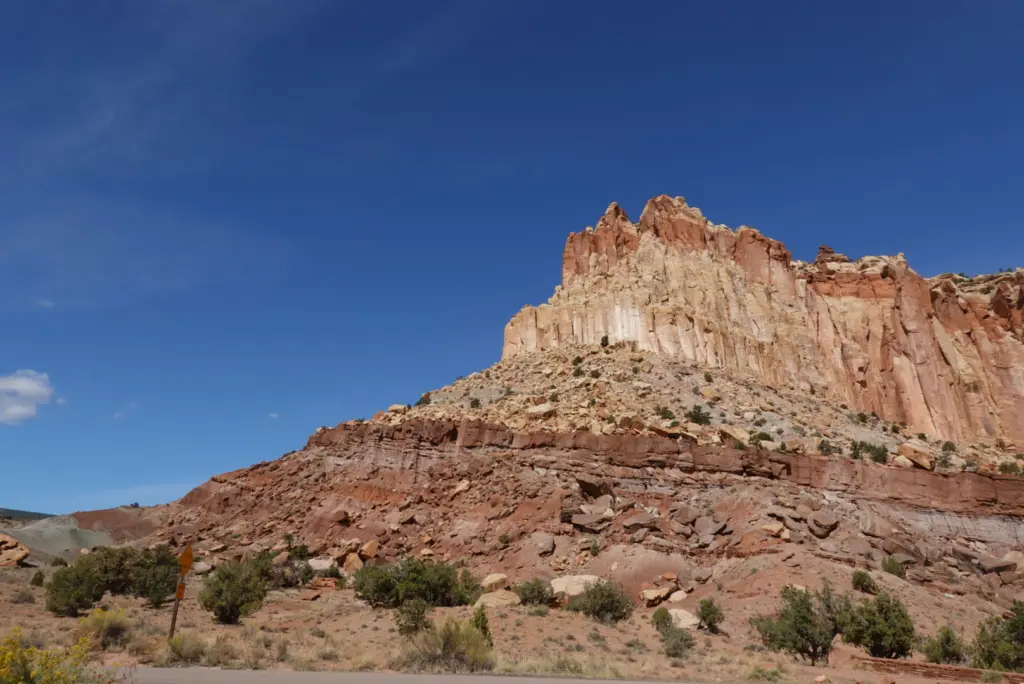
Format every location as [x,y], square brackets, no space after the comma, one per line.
[692,410]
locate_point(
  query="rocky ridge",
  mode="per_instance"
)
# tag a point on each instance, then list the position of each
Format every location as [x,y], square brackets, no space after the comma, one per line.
[942,355]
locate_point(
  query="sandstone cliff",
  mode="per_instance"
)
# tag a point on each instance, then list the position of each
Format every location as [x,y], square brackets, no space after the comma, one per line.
[944,355]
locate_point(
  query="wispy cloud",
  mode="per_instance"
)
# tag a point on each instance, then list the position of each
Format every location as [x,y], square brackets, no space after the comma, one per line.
[21,394]
[130,407]
[273,416]
[45,303]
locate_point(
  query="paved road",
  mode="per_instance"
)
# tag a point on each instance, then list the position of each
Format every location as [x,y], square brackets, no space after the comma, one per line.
[200,675]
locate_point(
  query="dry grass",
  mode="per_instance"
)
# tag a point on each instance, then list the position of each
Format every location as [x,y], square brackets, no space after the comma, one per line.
[560,665]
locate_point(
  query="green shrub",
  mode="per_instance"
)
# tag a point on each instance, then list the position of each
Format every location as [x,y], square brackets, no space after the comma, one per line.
[676,642]
[999,643]
[604,340]
[710,615]
[807,623]
[664,412]
[38,579]
[534,592]
[707,377]
[577,360]
[877,452]
[233,591]
[894,567]
[827,448]
[864,582]
[454,647]
[411,617]
[112,567]
[605,601]
[698,415]
[73,589]
[58,562]
[389,586]
[948,447]
[578,372]
[291,573]
[661,619]
[299,553]
[474,403]
[880,626]
[154,575]
[946,647]
[481,625]
[763,675]
[1009,468]
[106,628]
[22,595]
[595,374]
[186,648]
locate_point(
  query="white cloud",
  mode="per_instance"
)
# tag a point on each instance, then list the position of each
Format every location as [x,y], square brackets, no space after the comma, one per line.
[45,303]
[121,413]
[21,393]
[273,416]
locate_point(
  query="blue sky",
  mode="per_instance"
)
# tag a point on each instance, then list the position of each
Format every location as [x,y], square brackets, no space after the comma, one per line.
[223,224]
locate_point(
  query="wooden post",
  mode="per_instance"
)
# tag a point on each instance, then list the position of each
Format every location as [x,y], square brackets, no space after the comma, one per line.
[179,593]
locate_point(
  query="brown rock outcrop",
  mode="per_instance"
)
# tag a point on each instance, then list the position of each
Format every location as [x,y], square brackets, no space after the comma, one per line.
[941,354]
[12,552]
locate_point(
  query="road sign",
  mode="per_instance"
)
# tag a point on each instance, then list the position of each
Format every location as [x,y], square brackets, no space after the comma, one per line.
[185,560]
[180,593]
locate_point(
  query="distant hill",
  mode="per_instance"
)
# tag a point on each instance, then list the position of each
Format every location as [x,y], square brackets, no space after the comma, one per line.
[22,515]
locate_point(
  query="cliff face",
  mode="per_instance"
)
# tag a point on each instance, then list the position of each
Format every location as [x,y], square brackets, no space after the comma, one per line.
[944,355]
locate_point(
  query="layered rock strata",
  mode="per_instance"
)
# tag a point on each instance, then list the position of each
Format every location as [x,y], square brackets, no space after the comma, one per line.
[944,355]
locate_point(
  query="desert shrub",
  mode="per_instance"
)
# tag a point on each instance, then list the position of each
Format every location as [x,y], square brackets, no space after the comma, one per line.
[894,567]
[577,360]
[23,663]
[665,413]
[943,461]
[999,643]
[595,374]
[676,642]
[578,372]
[154,575]
[827,448]
[698,415]
[1009,468]
[707,377]
[474,403]
[535,592]
[411,617]
[807,623]
[220,653]
[605,601]
[389,586]
[23,595]
[38,579]
[106,629]
[710,615]
[481,624]
[73,589]
[604,340]
[946,647]
[299,552]
[185,648]
[758,437]
[877,452]
[293,572]
[454,647]
[112,567]
[661,619]
[58,562]
[880,626]
[233,591]
[762,675]
[948,447]
[424,399]
[864,582]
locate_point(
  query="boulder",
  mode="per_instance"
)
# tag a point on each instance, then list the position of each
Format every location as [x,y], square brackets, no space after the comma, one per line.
[592,487]
[322,564]
[494,582]
[590,522]
[991,564]
[677,596]
[543,542]
[822,523]
[683,514]
[774,529]
[652,597]
[706,526]
[398,408]
[640,519]
[12,551]
[875,525]
[901,461]
[498,599]
[730,433]
[200,568]
[352,562]
[369,549]
[571,585]
[918,453]
[683,619]
[542,411]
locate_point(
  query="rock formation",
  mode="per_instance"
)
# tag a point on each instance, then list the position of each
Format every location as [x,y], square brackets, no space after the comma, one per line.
[944,355]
